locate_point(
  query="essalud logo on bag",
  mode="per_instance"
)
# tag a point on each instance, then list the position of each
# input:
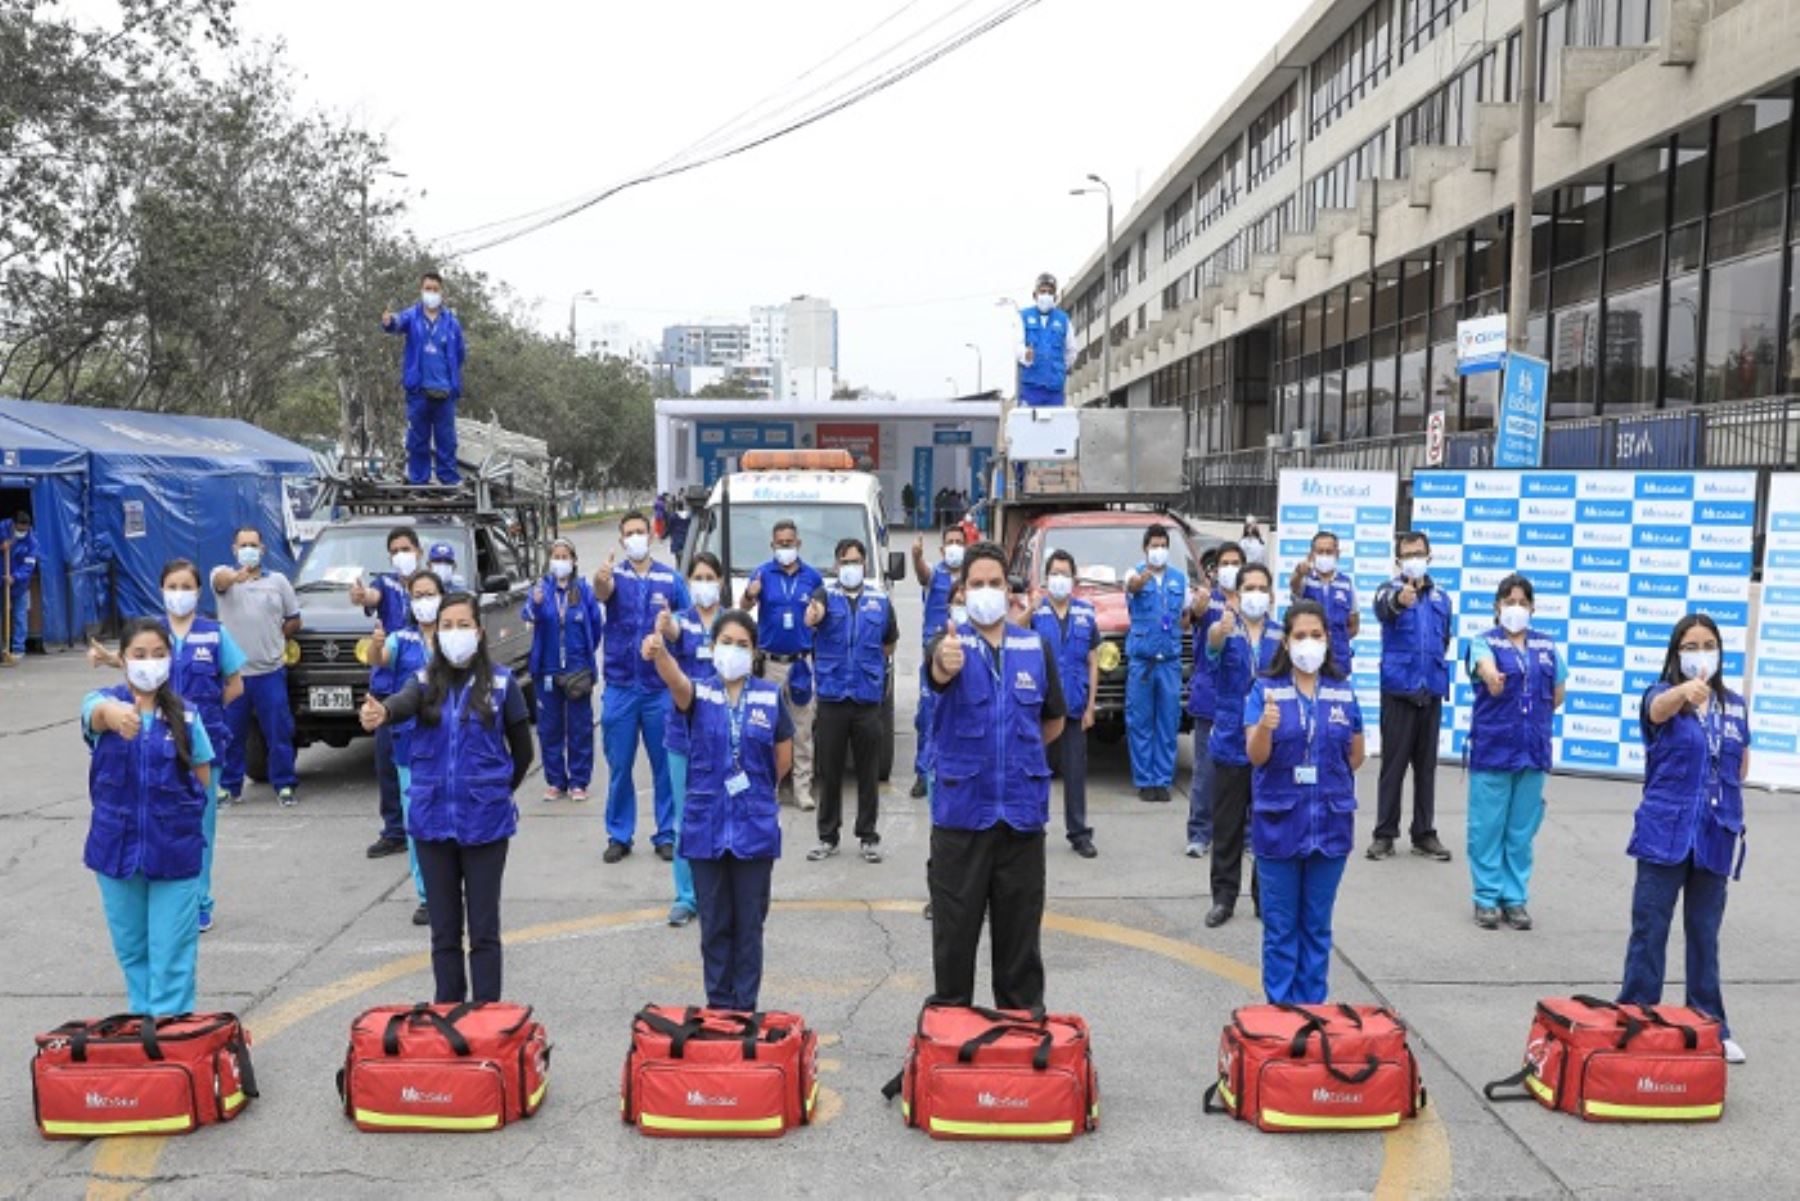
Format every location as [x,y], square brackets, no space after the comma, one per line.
[416,1096]
[990,1101]
[1324,1096]
[104,1101]
[1646,1085]
[699,1099]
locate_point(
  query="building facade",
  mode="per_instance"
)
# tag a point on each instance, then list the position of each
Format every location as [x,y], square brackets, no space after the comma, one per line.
[705,345]
[1295,277]
[812,335]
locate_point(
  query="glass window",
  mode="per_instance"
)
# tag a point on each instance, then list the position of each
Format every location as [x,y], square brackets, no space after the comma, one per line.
[1633,327]
[1629,266]
[1682,370]
[1414,386]
[1580,217]
[1443,392]
[1481,399]
[1742,318]
[1488,258]
[1381,383]
[1387,298]
[1356,389]
[1640,192]
[1572,364]
[1312,317]
[1331,397]
[1334,329]
[1745,229]
[1415,288]
[1793,331]
[1357,314]
[1690,172]
[1450,256]
[1578,283]
[1324,424]
[1750,157]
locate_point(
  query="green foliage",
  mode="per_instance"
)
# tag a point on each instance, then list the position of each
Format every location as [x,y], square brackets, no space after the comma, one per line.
[729,388]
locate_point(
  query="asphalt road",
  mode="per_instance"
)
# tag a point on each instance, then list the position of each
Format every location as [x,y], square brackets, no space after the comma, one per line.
[310,932]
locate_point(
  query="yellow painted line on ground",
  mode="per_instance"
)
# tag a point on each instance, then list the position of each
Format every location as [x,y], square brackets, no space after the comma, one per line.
[1415,1157]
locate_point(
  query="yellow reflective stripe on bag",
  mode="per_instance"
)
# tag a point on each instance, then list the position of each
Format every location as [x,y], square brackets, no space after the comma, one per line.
[1003,1129]
[656,1121]
[234,1100]
[537,1097]
[1297,1121]
[813,1096]
[175,1125]
[489,1121]
[1654,1113]
[1226,1095]
[1544,1092]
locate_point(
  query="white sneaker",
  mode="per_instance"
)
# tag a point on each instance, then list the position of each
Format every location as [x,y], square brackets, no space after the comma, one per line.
[824,850]
[1199,850]
[1733,1052]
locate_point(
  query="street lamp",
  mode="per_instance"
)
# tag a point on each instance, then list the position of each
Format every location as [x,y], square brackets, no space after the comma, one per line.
[977,350]
[1105,280]
[584,294]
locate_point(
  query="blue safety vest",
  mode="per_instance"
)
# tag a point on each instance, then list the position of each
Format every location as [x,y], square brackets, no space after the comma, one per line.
[564,636]
[1047,334]
[462,772]
[411,657]
[1693,797]
[724,740]
[198,677]
[630,613]
[989,738]
[394,611]
[694,654]
[1511,732]
[781,601]
[1413,642]
[1234,672]
[1203,687]
[1338,596]
[1303,800]
[147,807]
[937,601]
[1071,649]
[849,657]
[1156,616]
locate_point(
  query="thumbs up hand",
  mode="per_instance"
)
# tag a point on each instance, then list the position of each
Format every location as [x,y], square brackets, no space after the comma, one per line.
[1271,716]
[666,627]
[815,613]
[99,656]
[373,714]
[652,647]
[950,651]
[603,576]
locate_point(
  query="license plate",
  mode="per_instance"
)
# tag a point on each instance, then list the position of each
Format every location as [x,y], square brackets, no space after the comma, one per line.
[330,700]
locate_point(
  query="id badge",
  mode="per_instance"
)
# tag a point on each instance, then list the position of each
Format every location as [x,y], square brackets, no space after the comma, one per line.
[704,652]
[787,619]
[1306,773]
[737,783]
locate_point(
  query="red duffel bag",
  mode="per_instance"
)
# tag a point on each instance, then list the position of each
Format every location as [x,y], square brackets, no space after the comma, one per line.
[134,1075]
[473,1066]
[1316,1067]
[1621,1063]
[974,1073]
[716,1073]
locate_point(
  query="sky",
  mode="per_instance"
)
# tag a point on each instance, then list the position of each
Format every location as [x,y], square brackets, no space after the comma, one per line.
[913,211]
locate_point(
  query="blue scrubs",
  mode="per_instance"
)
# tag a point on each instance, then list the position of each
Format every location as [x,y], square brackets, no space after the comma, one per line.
[1153,686]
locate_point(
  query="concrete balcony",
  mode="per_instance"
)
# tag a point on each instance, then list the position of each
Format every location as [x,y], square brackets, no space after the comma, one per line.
[1494,123]
[1430,164]
[1327,225]
[1581,69]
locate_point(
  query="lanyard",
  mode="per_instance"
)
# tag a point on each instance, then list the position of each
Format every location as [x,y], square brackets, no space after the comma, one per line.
[789,584]
[1525,673]
[1309,723]
[734,724]
[1714,726]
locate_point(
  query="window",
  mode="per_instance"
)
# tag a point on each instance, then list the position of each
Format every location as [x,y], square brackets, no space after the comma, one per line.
[1628,362]
[1681,372]
[1337,186]
[1742,317]
[1447,116]
[1271,139]
[1178,223]
[1143,256]
[1640,184]
[1121,275]
[1218,186]
[1422,20]
[1350,66]
[1573,361]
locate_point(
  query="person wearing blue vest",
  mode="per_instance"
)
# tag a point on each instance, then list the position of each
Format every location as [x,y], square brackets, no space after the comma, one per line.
[471,746]
[566,629]
[1317,579]
[854,632]
[781,589]
[936,580]
[1157,599]
[21,546]
[1071,631]
[1518,679]
[688,635]
[403,654]
[1689,827]
[1303,731]
[636,700]
[442,561]
[1240,645]
[431,373]
[1202,700]
[1000,704]
[387,601]
[147,781]
[739,738]
[1045,348]
[1416,628]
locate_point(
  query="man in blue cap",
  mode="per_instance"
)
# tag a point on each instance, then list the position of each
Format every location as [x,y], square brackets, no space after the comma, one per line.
[442,561]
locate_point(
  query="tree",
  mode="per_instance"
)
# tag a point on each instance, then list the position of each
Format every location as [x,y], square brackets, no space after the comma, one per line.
[730,388]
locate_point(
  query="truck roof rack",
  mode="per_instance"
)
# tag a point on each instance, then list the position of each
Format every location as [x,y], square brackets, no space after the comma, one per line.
[501,470]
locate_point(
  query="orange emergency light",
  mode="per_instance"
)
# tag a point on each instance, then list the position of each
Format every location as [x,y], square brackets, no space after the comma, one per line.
[835,459]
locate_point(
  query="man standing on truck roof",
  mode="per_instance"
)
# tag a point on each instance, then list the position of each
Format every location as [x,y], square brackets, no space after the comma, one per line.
[1045,349]
[781,589]
[431,373]
[1156,596]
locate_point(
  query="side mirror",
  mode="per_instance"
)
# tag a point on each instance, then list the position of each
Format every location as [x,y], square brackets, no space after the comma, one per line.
[896,565]
[495,584]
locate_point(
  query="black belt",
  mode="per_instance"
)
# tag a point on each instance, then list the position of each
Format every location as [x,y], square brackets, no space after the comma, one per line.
[771,655]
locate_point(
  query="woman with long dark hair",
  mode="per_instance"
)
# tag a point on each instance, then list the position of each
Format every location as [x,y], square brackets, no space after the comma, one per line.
[1240,644]
[470,749]
[1690,825]
[404,654]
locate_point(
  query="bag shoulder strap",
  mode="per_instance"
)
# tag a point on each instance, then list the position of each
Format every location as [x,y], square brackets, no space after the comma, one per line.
[1491,1090]
[1040,1059]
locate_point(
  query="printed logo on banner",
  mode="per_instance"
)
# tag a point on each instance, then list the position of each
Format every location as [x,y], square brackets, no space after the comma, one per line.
[1660,537]
[1546,535]
[1707,587]
[1587,679]
[1724,512]
[1726,538]
[1675,486]
[1591,754]
[1604,485]
[1601,585]
[1658,585]
[1649,511]
[1590,729]
[1554,628]
[1596,631]
[1651,609]
[1554,511]
[1491,535]
[1716,562]
[1595,608]
[1553,606]
[1610,512]
[1724,485]
[1645,658]
[1579,704]
[1498,483]
[1603,536]
[1547,484]
[1427,508]
[1659,562]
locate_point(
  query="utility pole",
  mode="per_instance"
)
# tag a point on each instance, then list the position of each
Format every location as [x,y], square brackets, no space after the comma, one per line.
[978,385]
[1518,307]
[1106,283]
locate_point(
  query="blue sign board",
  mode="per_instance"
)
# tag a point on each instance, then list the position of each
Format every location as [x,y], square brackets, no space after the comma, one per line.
[921,482]
[952,437]
[1519,441]
[717,441]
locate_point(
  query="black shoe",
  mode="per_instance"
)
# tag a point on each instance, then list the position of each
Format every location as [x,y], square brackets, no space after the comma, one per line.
[1085,848]
[615,851]
[1487,918]
[920,787]
[1147,795]
[665,851]
[1381,848]
[1431,848]
[421,916]
[381,848]
[927,910]
[1217,916]
[1516,917]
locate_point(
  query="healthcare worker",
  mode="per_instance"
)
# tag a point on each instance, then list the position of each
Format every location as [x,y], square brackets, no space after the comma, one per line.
[636,699]
[471,746]
[1518,679]
[1317,578]
[21,544]
[1416,628]
[1045,348]
[688,635]
[442,561]
[1071,631]
[935,582]
[781,589]
[566,629]
[1240,646]
[1156,596]
[1689,827]
[1000,704]
[387,601]
[739,739]
[1303,731]
[262,612]
[431,373]
[147,781]
[1202,701]
[404,654]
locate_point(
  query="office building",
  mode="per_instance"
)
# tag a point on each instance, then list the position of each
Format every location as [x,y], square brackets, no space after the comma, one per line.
[812,334]
[718,345]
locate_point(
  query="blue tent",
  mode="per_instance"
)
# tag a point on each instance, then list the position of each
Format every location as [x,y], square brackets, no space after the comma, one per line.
[155,487]
[53,474]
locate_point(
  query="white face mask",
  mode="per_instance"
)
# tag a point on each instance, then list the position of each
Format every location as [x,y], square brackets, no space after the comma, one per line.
[987,605]
[425,609]
[1307,654]
[1514,618]
[431,300]
[147,675]
[405,562]
[1414,568]
[637,545]
[705,592]
[1157,556]
[179,601]
[249,556]
[1061,585]
[1699,665]
[1045,302]
[445,572]
[959,614]
[1254,604]
[1228,577]
[562,569]
[1253,549]
[731,662]
[787,556]
[953,554]
[1325,564]
[850,575]
[459,645]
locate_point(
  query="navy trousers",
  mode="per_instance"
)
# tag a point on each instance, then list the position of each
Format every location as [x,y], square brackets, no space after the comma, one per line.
[733,896]
[1702,895]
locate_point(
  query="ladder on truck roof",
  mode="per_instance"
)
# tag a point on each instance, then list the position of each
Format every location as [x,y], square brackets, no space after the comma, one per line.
[501,470]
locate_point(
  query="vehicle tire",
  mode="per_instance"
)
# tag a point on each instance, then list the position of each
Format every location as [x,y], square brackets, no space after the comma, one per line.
[887,737]
[256,755]
[1110,733]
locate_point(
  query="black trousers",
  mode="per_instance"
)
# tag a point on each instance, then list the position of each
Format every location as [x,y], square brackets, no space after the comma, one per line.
[1409,738]
[999,873]
[1231,820]
[839,726]
[1068,759]
[463,880]
[387,779]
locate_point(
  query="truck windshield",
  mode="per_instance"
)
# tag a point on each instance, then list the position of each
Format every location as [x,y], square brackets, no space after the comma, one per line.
[1105,554]
[343,553]
[820,526]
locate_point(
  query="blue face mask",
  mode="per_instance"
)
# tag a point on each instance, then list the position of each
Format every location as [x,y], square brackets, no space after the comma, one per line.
[249,556]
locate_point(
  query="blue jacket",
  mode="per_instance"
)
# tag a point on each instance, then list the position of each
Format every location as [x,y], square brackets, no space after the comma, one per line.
[394,611]
[565,637]
[1511,732]
[990,744]
[693,651]
[849,655]
[1234,672]
[1203,688]
[1072,651]
[936,596]
[1414,640]
[1338,596]
[443,339]
[1289,818]
[198,677]
[714,823]
[147,807]
[408,657]
[1156,616]
[630,613]
[1693,798]
[462,772]
[25,552]
[1047,334]
[781,607]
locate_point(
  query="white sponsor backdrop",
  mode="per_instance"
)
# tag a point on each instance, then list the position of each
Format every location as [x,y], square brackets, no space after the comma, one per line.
[1616,558]
[1775,697]
[1357,506]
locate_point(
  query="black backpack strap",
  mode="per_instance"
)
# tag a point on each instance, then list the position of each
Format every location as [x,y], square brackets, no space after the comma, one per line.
[1491,1090]
[892,1088]
[1206,1101]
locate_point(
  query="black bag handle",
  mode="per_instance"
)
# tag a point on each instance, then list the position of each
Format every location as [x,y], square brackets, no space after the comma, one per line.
[1040,1059]
[892,1088]
[423,1015]
[246,1073]
[1206,1101]
[1690,1037]
[1491,1090]
[1036,1012]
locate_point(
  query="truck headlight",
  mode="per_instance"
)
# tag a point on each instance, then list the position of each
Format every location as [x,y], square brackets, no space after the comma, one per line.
[290,654]
[362,650]
[1108,656]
